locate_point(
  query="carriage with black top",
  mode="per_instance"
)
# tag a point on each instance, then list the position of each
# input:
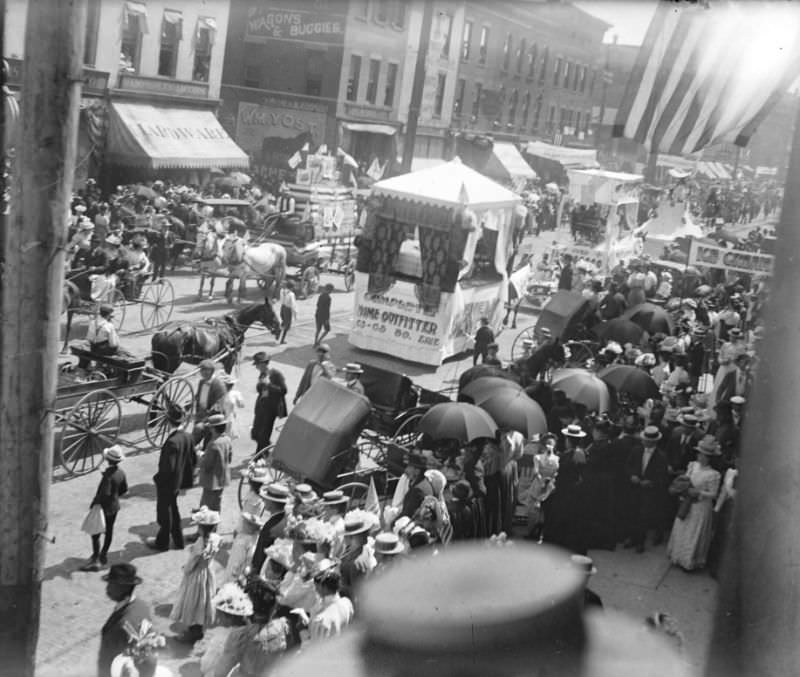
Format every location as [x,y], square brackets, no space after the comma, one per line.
[335,437]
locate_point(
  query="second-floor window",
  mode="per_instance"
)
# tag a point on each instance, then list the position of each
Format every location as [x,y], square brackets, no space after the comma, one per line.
[391,83]
[466,41]
[399,13]
[171,36]
[556,71]
[315,68]
[537,112]
[532,62]
[543,71]
[551,118]
[439,101]
[567,71]
[92,26]
[353,77]
[360,9]
[203,43]
[458,100]
[483,47]
[134,25]
[520,55]
[381,11]
[445,31]
[476,102]
[582,80]
[507,52]
[512,107]
[526,109]
[577,122]
[372,80]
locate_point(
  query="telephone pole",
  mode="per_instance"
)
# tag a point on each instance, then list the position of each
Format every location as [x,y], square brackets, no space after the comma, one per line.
[34,232]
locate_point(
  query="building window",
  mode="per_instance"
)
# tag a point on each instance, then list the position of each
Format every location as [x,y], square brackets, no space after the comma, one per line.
[537,112]
[532,62]
[399,14]
[372,80]
[203,42]
[593,82]
[445,30]
[483,47]
[353,78]
[381,11]
[171,36]
[507,52]
[134,24]
[252,76]
[391,83]
[551,118]
[439,101]
[476,102]
[587,118]
[458,101]
[361,9]
[315,66]
[92,26]
[576,72]
[577,122]
[466,41]
[543,71]
[526,109]
[521,55]
[582,80]
[562,119]
[567,71]
[556,71]
[512,106]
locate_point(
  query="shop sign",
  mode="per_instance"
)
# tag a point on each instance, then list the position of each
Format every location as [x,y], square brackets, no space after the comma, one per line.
[730,259]
[296,21]
[93,80]
[140,83]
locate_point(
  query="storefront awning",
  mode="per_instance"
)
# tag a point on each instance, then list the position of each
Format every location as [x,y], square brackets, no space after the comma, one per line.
[370,128]
[567,157]
[507,163]
[159,137]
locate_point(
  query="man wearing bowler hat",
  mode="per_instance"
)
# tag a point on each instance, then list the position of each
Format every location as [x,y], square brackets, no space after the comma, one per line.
[275,497]
[175,468]
[419,487]
[121,582]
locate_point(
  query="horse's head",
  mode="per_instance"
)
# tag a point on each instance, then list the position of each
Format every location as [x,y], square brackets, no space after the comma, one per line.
[258,312]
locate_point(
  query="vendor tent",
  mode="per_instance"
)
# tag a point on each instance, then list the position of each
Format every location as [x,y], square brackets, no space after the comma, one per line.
[447,185]
[507,164]
[587,186]
[567,157]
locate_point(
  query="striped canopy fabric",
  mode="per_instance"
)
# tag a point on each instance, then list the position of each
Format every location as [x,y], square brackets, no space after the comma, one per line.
[709,72]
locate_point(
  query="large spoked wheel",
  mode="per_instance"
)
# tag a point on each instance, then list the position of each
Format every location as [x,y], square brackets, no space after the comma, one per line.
[274,473]
[580,354]
[174,391]
[90,426]
[516,347]
[356,493]
[117,300]
[406,433]
[157,303]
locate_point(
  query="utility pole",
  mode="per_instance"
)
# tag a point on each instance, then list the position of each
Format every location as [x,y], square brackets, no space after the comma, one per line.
[32,281]
[418,86]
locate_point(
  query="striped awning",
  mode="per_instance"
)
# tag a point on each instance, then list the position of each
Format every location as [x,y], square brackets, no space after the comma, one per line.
[160,137]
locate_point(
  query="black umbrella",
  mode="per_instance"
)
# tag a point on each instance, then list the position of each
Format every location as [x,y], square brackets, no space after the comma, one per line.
[650,317]
[625,378]
[482,370]
[620,329]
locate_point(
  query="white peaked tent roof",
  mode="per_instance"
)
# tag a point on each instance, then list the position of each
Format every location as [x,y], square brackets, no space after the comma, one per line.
[448,184]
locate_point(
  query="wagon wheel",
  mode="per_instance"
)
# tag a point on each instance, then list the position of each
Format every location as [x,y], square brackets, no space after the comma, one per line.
[274,473]
[157,303]
[349,277]
[176,390]
[516,347]
[89,427]
[406,433]
[356,493]
[117,299]
[580,354]
[371,454]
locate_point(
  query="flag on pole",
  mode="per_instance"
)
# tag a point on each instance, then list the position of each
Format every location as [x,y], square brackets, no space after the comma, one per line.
[372,503]
[295,160]
[305,147]
[709,73]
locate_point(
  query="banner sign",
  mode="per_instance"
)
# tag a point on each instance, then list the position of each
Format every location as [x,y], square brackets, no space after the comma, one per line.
[297,21]
[737,260]
[395,322]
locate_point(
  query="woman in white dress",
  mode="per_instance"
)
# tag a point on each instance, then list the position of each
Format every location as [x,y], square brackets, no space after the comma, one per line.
[250,522]
[691,536]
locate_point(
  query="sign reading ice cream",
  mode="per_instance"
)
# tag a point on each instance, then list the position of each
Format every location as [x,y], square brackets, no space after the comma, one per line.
[303,20]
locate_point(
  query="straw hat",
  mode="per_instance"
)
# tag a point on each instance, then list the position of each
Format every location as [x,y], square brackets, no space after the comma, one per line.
[353,368]
[584,564]
[232,600]
[114,454]
[334,497]
[573,430]
[275,492]
[651,434]
[388,543]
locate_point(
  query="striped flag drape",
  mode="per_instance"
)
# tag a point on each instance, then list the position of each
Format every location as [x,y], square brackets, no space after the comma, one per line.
[708,73]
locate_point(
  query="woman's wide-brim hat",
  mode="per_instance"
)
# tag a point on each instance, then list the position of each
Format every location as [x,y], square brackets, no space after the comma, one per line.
[114,241]
[232,600]
[573,430]
[388,543]
[708,446]
[334,497]
[123,666]
[275,492]
[257,473]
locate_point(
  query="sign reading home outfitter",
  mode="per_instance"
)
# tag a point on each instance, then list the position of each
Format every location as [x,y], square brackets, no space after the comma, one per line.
[298,20]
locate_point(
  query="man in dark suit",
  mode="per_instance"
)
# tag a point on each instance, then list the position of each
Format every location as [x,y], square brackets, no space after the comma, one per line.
[619,450]
[175,465]
[418,485]
[565,279]
[121,582]
[274,496]
[208,398]
[649,479]
[682,441]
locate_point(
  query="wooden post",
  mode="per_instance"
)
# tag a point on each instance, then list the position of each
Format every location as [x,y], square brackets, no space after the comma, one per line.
[33,276]
[418,87]
[758,613]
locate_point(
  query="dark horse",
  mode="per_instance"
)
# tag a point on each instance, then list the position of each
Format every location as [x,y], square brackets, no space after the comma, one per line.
[546,357]
[193,342]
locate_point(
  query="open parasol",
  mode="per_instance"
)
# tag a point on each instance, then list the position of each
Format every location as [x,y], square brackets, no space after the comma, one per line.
[625,378]
[583,387]
[480,371]
[514,409]
[650,317]
[621,330]
[485,387]
[457,421]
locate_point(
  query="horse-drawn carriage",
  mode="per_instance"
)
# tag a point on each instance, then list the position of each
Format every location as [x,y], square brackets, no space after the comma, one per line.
[335,437]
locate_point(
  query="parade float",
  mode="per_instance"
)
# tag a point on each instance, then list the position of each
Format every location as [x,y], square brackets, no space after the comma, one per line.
[432,262]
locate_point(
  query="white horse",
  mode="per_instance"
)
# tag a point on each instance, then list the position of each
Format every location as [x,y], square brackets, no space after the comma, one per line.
[209,250]
[265,261]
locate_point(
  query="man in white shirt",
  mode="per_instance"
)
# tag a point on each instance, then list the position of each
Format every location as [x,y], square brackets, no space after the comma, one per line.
[102,335]
[288,308]
[210,392]
[333,613]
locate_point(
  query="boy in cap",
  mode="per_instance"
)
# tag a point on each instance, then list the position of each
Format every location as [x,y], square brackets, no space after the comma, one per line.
[113,484]
[483,338]
[491,356]
[102,334]
[322,316]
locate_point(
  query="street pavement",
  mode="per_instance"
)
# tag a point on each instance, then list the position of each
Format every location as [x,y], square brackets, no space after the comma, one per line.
[74,606]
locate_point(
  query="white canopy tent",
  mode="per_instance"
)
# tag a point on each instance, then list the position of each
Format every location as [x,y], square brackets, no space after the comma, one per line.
[567,157]
[587,186]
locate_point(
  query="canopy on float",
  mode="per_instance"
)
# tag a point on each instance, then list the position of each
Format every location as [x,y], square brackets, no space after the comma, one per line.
[447,185]
[568,157]
[587,186]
